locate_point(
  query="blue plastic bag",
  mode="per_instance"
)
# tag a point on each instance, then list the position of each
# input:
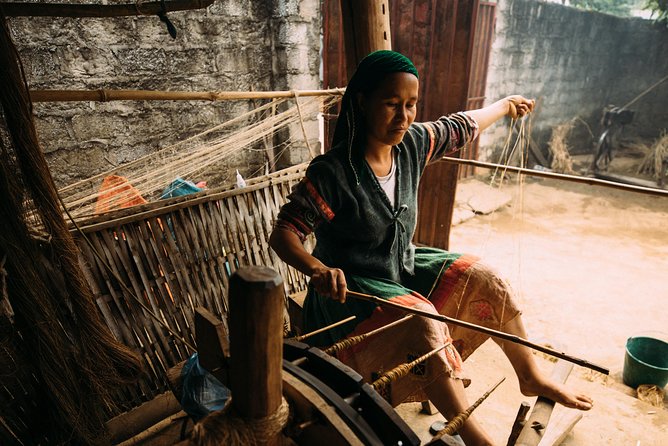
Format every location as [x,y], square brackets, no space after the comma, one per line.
[180,187]
[202,392]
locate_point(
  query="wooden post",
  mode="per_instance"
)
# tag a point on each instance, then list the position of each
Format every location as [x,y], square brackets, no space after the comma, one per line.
[533,429]
[256,338]
[212,344]
[366,28]
[520,419]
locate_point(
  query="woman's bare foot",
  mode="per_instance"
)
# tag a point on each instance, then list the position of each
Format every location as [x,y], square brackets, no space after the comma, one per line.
[556,392]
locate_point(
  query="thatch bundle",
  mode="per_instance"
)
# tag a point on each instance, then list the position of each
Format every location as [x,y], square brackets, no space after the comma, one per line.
[60,364]
[656,157]
[561,158]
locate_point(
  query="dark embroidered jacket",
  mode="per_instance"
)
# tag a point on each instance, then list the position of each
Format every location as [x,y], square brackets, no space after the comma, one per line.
[356,227]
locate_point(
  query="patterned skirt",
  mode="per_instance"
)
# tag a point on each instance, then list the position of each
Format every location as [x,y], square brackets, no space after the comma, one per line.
[454,285]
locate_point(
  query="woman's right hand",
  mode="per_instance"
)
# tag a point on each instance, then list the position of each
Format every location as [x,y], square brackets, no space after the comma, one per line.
[330,282]
[519,106]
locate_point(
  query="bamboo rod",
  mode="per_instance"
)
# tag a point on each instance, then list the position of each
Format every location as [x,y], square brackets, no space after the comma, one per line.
[458,421]
[18,9]
[559,176]
[104,95]
[162,207]
[323,329]
[488,331]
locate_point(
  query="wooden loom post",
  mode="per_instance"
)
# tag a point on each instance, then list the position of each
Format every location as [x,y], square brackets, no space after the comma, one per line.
[256,338]
[366,25]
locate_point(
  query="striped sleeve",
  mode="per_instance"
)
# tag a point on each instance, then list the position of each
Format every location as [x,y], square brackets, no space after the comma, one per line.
[305,211]
[448,134]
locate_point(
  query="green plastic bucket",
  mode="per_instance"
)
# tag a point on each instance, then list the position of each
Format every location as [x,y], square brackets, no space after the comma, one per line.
[645,362]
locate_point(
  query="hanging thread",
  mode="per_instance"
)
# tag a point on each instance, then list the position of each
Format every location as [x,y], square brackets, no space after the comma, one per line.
[458,421]
[323,329]
[404,369]
[353,340]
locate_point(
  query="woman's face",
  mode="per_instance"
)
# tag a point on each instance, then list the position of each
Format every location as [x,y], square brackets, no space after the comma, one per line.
[390,109]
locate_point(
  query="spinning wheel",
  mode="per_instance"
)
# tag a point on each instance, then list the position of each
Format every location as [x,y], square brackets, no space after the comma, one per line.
[331,404]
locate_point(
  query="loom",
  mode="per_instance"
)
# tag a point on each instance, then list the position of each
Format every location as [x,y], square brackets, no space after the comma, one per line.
[152,266]
[149,266]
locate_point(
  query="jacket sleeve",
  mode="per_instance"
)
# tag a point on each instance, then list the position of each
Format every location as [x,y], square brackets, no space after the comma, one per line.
[448,134]
[309,202]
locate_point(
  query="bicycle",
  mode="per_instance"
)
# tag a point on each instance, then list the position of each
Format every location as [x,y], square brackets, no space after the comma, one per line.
[613,121]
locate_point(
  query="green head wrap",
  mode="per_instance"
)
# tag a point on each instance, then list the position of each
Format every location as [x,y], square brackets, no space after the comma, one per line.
[369,73]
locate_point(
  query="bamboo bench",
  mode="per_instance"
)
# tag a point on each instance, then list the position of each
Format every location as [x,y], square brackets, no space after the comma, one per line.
[152,265]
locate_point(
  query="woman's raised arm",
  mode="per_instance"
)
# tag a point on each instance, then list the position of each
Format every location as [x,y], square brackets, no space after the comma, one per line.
[514,106]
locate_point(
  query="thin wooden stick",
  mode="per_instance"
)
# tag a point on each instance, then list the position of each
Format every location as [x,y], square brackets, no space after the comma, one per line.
[104,95]
[458,421]
[320,330]
[301,122]
[18,9]
[488,331]
[349,342]
[559,176]
[402,370]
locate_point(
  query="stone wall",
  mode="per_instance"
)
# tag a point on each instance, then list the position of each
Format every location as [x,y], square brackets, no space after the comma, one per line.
[232,45]
[575,63]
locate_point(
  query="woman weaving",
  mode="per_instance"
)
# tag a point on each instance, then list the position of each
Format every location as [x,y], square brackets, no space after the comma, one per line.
[360,200]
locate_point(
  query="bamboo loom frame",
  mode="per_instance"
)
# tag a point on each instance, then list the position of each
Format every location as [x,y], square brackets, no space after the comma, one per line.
[175,255]
[558,176]
[19,9]
[105,95]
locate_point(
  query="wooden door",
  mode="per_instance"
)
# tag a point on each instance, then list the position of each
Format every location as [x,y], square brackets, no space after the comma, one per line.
[443,40]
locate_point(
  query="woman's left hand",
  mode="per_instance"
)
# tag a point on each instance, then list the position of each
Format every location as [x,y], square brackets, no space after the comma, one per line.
[519,106]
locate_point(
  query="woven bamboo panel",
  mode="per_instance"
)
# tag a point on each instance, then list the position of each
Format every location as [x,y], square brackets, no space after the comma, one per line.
[176,255]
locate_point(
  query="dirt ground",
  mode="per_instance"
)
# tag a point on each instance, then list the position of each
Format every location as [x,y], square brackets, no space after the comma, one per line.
[589,265]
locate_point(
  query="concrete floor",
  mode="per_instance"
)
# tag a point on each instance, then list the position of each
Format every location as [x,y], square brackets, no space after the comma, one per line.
[589,266]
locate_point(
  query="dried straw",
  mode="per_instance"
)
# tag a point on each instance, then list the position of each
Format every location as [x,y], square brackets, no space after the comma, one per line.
[651,394]
[655,158]
[561,158]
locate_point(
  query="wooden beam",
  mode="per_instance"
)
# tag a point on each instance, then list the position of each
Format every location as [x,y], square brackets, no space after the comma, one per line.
[21,9]
[366,28]
[256,335]
[535,426]
[104,95]
[137,420]
[212,344]
[560,428]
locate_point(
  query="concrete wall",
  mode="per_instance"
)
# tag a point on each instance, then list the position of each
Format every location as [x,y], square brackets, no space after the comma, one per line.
[576,62]
[232,45]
